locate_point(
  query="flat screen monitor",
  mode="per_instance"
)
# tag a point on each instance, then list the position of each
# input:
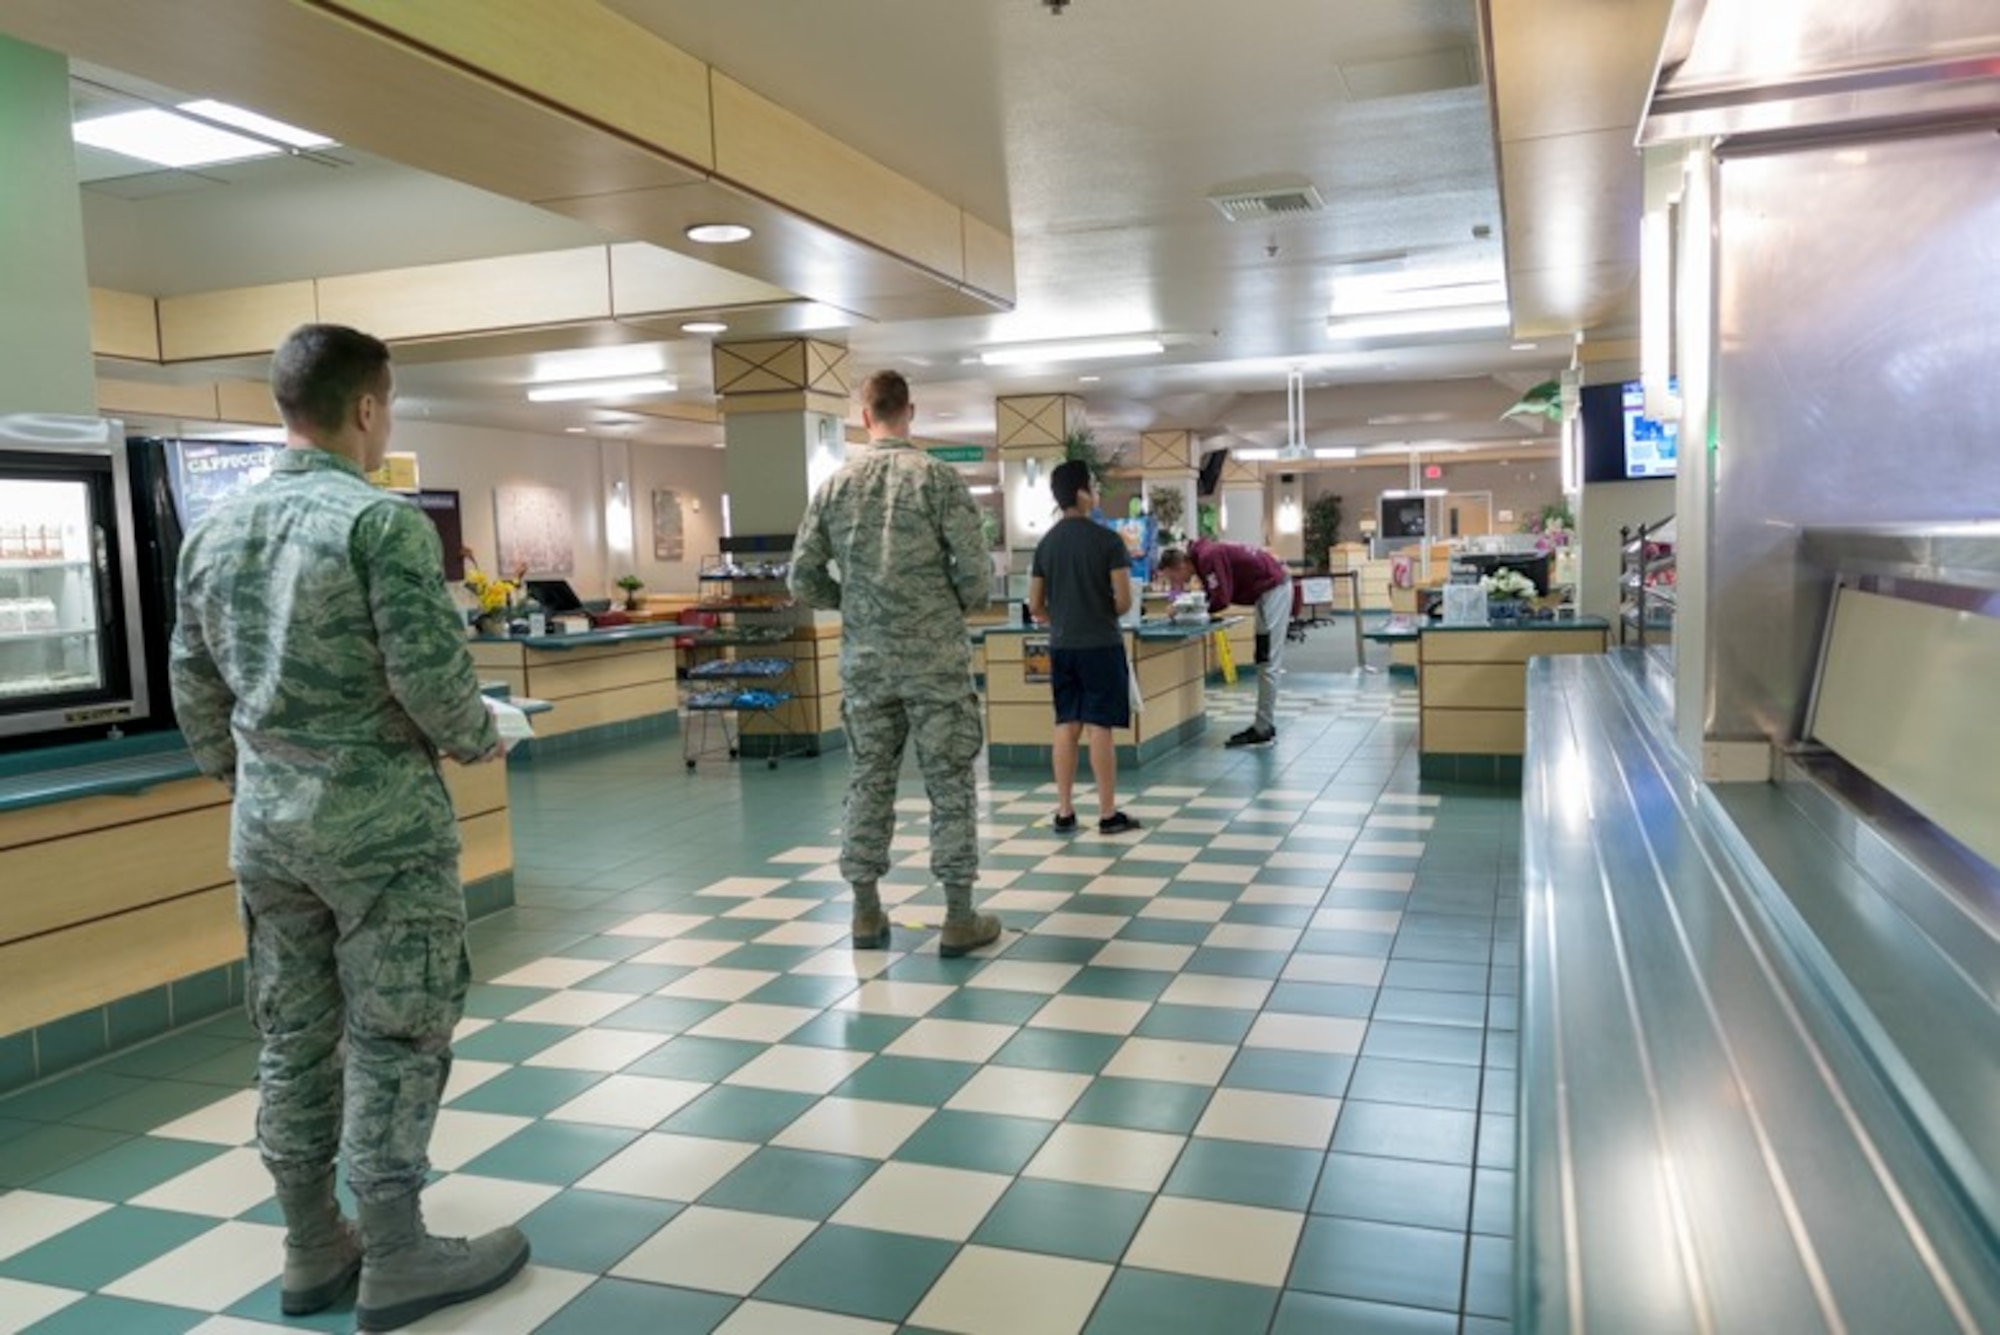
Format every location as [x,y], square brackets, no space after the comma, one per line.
[555,596]
[1621,443]
[1535,565]
[441,508]
[1402,516]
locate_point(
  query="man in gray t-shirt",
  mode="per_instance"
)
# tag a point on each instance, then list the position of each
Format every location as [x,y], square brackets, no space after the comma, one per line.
[1080,584]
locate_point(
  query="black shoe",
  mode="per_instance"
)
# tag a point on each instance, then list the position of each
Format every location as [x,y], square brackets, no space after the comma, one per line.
[1064,824]
[1253,736]
[1116,823]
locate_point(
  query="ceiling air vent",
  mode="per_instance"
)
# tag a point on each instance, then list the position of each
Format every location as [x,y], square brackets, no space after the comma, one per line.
[1262,203]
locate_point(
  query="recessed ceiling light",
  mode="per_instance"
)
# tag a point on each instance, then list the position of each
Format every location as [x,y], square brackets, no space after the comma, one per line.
[211,110]
[1525,347]
[1080,350]
[168,140]
[1088,379]
[574,430]
[704,327]
[718,234]
[621,388]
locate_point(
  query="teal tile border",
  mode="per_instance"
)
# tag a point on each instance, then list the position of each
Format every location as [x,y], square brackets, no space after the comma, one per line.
[1500,771]
[757,746]
[1019,756]
[625,730]
[73,1040]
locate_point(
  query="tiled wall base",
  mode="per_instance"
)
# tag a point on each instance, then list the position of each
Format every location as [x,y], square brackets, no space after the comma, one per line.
[49,1049]
[1040,757]
[759,745]
[1501,770]
[652,725]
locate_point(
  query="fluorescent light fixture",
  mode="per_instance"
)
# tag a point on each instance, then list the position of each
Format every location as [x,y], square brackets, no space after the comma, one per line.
[1080,350]
[1335,452]
[983,489]
[168,140]
[1406,494]
[719,234]
[1255,456]
[704,327]
[573,430]
[627,388]
[211,110]
[1088,379]
[1442,321]
[1418,298]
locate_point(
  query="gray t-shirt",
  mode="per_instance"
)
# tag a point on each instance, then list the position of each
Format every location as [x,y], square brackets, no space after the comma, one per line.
[1074,561]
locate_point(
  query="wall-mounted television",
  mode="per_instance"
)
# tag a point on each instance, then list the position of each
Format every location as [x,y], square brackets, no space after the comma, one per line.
[1211,472]
[1621,443]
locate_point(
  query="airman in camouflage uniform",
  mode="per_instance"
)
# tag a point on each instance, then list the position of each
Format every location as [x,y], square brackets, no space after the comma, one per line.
[319,668]
[893,541]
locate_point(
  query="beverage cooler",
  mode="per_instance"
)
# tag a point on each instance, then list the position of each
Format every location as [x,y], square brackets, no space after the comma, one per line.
[73,645]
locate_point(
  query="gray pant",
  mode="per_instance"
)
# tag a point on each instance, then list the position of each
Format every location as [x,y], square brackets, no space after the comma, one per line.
[1274,618]
[948,736]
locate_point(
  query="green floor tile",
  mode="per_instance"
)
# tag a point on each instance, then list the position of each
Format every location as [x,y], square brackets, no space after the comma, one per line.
[49,1149]
[102,1249]
[1064,1219]
[1386,1263]
[622,1304]
[1196,1024]
[769,959]
[129,1168]
[1054,949]
[633,979]
[1424,1043]
[1281,1072]
[859,1271]
[607,947]
[61,1099]
[166,1056]
[797,1183]
[592,1231]
[1301,1313]
[1340,999]
[1166,931]
[1059,1050]
[1119,984]
[934,969]
[556,1153]
[693,1058]
[153,1104]
[1238,963]
[490,1001]
[919,1080]
[526,1091]
[802,990]
[510,1041]
[98,1315]
[235,1068]
[1147,1302]
[852,1030]
[990,1005]
[1141,1105]
[728,929]
[9,1128]
[1415,1007]
[1395,1191]
[660,1015]
[1275,1176]
[1425,1084]
[980,1142]
[1367,945]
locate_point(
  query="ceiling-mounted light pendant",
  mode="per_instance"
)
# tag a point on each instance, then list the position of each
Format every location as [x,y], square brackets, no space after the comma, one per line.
[1442,321]
[704,327]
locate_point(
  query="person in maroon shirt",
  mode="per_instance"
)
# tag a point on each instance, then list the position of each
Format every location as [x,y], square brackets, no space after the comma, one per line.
[1233,574]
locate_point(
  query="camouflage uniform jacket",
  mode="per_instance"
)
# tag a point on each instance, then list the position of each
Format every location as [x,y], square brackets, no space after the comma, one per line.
[904,535]
[319,665]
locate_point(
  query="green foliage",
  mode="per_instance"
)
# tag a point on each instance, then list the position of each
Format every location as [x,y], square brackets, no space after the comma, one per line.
[630,583]
[1322,526]
[1081,444]
[1169,509]
[1543,401]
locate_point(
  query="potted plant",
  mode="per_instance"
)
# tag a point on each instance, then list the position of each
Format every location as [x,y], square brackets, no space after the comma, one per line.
[1169,509]
[631,584]
[1543,401]
[1081,445]
[1322,530]
[495,598]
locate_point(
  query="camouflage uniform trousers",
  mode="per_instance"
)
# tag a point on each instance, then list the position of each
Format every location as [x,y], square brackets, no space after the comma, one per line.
[380,963]
[946,723]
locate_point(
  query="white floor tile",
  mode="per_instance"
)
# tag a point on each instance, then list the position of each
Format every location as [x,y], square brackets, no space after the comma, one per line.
[635,1102]
[223,1188]
[990,1291]
[1336,807]
[754,1022]
[1218,803]
[841,961]
[1128,887]
[1250,936]
[1200,989]
[465,1205]
[882,997]
[1299,795]
[801,1070]
[211,1272]
[1192,825]
[1350,969]
[1151,810]
[1186,910]
[1290,896]
[1090,926]
[459,1137]
[1141,955]
[552,972]
[1307,1033]
[1171,790]
[1032,847]
[23,1304]
[1356,920]
[662,926]
[573,1008]
[1237,1243]
[1157,851]
[773,909]
[231,1325]
[31,1217]
[742,887]
[1074,866]
[1090,1015]
[1246,843]
[724,1251]
[1018,1091]
[1388,848]
[1219,873]
[1324,830]
[1398,881]
[1410,800]
[759,1318]
[598,1050]
[522,1306]
[467,1075]
[1171,1059]
[467,1027]
[1103,1156]
[1326,862]
[804,934]
[951,1040]
[1261,1118]
[1025,976]
[668,1167]
[995,878]
[686,954]
[811,855]
[228,1121]
[860,1127]
[1026,901]
[1383,821]
[946,1203]
[717,984]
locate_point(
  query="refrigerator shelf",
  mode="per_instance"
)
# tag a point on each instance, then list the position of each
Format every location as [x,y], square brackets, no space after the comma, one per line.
[12,636]
[39,564]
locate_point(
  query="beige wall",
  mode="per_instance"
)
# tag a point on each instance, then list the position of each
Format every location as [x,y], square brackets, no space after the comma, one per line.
[1523,488]
[697,476]
[1605,507]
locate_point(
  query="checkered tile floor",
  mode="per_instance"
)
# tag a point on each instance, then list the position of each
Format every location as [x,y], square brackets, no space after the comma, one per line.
[1250,1070]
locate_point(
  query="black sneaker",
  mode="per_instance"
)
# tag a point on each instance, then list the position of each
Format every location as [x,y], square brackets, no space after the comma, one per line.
[1065,824]
[1116,823]
[1253,736]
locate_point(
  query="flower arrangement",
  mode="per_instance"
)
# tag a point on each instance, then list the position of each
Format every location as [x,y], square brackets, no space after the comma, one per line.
[495,597]
[1554,527]
[1508,584]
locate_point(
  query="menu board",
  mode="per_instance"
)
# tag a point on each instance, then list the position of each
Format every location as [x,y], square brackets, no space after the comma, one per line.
[205,472]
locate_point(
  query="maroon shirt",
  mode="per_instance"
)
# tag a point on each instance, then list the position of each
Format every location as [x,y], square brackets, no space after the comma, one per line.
[1234,574]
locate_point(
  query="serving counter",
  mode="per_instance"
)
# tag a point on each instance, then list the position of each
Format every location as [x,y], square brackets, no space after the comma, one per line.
[1472,691]
[1169,662]
[602,682]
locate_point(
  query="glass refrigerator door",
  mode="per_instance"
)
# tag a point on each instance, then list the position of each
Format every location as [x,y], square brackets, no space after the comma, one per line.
[54,637]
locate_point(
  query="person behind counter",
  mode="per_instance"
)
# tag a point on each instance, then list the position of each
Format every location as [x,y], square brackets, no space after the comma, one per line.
[1080,584]
[1232,575]
[319,669]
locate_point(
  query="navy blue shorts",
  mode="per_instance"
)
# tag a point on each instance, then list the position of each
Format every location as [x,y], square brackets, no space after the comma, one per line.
[1091,686]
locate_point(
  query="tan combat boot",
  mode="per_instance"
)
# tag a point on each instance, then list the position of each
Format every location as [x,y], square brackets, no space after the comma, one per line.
[406,1274]
[322,1250]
